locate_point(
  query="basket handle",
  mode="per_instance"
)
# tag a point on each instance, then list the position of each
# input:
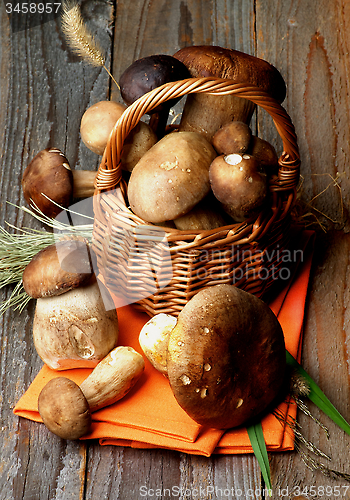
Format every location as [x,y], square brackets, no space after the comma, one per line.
[109,174]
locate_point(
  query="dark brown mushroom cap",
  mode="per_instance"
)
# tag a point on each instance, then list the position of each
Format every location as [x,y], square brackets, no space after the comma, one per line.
[49,173]
[226,357]
[149,73]
[64,408]
[58,268]
[208,60]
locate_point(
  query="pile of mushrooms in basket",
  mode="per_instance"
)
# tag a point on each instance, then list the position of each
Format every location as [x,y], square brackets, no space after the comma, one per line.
[224,354]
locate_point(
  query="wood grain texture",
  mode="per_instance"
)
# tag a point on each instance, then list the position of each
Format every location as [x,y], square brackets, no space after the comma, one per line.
[308,42]
[44,91]
[326,358]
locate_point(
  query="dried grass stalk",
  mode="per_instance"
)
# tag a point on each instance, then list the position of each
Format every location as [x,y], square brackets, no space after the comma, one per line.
[78,37]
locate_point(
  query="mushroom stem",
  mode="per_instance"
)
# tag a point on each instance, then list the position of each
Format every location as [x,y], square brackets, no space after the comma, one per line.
[83,183]
[158,122]
[66,408]
[113,377]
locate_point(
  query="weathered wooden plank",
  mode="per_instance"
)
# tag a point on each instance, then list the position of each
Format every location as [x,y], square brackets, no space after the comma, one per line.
[305,41]
[326,358]
[44,91]
[309,43]
[166,26]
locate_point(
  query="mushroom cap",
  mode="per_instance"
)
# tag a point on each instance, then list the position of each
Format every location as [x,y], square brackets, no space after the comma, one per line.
[211,60]
[226,357]
[264,152]
[148,73]
[48,173]
[206,215]
[64,408]
[206,113]
[233,137]
[171,178]
[97,123]
[239,183]
[58,268]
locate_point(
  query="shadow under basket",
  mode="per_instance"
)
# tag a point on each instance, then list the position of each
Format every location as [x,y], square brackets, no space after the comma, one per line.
[159,269]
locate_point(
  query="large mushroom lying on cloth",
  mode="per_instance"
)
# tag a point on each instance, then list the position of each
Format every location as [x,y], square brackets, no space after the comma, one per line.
[225,356]
[206,113]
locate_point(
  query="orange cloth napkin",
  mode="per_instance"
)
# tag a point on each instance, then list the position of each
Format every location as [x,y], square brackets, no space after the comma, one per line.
[149,416]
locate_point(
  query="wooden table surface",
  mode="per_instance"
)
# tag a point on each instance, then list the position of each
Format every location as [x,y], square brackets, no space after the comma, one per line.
[44,91]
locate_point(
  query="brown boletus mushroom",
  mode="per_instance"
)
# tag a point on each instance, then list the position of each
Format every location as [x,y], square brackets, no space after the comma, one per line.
[73,325]
[139,140]
[206,113]
[50,183]
[233,137]
[240,184]
[226,357]
[66,408]
[48,173]
[146,74]
[171,178]
[97,123]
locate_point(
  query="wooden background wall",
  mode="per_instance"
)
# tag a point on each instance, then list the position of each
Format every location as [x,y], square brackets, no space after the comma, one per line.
[44,91]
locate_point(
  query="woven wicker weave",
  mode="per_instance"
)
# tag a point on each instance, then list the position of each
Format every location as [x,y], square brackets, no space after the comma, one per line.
[162,268]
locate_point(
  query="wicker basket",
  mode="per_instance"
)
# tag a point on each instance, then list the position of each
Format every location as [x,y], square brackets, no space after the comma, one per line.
[160,269]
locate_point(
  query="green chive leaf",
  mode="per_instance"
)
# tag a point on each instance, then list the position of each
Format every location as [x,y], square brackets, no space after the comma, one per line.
[257,441]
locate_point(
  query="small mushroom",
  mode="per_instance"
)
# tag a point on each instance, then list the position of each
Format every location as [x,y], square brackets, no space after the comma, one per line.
[154,339]
[49,178]
[264,152]
[233,137]
[171,178]
[205,113]
[66,408]
[75,323]
[97,123]
[226,357]
[240,184]
[146,74]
